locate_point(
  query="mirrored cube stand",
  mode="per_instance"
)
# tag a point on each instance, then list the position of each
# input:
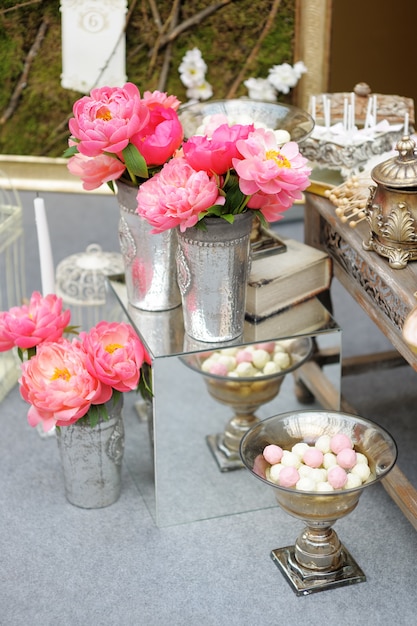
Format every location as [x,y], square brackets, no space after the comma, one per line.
[181,471]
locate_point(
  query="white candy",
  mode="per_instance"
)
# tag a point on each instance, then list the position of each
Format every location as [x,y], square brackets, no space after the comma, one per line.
[323,443]
[353,481]
[279,347]
[324,486]
[318,474]
[230,351]
[208,363]
[305,471]
[282,359]
[305,484]
[282,136]
[228,360]
[361,458]
[271,368]
[329,459]
[361,470]
[260,358]
[245,369]
[300,448]
[274,472]
[290,459]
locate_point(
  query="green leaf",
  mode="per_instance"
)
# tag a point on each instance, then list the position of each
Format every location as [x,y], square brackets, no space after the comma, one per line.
[145,382]
[69,152]
[93,415]
[135,163]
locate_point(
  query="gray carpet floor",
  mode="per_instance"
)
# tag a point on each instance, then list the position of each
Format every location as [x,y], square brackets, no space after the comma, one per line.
[64,566]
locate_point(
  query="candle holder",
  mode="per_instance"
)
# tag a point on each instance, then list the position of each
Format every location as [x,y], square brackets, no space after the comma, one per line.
[244,395]
[318,560]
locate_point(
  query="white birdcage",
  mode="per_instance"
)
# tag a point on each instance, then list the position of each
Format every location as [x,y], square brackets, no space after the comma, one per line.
[12,275]
[81,283]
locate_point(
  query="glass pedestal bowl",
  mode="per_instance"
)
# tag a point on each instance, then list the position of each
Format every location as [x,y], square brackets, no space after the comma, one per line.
[275,115]
[318,560]
[244,395]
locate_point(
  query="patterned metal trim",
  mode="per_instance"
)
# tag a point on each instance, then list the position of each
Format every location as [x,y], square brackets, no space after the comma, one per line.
[356,267]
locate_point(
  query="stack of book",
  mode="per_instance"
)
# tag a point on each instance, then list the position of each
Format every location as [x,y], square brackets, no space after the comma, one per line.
[282,288]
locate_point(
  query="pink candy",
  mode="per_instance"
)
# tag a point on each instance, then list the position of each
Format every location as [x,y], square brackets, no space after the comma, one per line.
[219,369]
[346,458]
[269,346]
[288,477]
[337,477]
[243,356]
[339,442]
[273,454]
[313,457]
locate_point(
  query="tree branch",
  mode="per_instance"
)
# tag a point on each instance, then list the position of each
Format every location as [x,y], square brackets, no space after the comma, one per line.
[192,21]
[26,69]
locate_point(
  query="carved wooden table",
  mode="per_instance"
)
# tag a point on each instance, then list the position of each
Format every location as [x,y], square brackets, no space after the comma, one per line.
[386,295]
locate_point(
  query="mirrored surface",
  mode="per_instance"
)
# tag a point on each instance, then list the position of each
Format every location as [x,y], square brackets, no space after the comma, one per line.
[188,484]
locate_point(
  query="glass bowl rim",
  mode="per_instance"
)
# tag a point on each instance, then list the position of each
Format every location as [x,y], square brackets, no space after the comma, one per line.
[304,412]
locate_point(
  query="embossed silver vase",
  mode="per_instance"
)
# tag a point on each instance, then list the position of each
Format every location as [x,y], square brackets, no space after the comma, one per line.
[92,457]
[213,267]
[149,259]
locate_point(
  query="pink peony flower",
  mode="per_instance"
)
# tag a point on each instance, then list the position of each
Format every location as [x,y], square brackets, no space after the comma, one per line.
[107,119]
[31,324]
[151,98]
[158,140]
[58,385]
[176,196]
[271,206]
[273,170]
[215,154]
[114,354]
[95,171]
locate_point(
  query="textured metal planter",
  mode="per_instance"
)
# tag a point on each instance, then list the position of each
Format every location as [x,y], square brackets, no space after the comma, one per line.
[150,269]
[92,459]
[213,268]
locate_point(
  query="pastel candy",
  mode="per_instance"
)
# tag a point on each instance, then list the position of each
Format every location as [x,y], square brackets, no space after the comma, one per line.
[323,443]
[299,448]
[353,481]
[219,369]
[288,477]
[362,470]
[290,459]
[305,484]
[313,457]
[337,477]
[243,356]
[260,358]
[273,454]
[346,458]
[340,441]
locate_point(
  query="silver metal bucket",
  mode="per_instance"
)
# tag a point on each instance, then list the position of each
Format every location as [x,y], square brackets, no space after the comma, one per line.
[213,267]
[92,459]
[150,268]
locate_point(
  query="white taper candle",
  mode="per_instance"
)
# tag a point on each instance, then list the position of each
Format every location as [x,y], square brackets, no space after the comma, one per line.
[45,251]
[406,118]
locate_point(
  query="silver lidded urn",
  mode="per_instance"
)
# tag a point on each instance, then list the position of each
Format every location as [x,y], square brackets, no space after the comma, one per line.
[391,210]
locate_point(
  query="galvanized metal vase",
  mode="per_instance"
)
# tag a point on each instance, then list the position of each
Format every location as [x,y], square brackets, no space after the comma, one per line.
[92,459]
[149,259]
[213,267]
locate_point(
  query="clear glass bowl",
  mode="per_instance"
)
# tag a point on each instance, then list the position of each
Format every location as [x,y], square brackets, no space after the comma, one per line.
[275,115]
